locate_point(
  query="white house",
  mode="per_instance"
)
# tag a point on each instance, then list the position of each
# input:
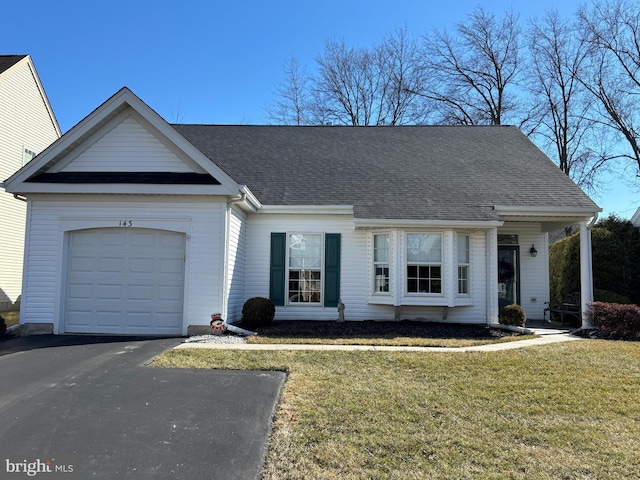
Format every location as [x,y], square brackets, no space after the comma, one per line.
[137,226]
[27,126]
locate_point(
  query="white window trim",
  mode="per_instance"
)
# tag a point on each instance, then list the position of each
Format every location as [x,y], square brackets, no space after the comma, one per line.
[389,264]
[459,264]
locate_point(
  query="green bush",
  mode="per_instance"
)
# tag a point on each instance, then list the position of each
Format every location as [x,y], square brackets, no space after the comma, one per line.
[609,297]
[258,312]
[3,326]
[615,321]
[616,262]
[512,315]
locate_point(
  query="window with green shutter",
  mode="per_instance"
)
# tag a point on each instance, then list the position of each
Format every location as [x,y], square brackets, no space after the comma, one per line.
[302,271]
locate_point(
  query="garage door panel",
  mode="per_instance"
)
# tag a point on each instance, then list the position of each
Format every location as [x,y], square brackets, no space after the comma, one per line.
[111,264]
[140,292]
[109,292]
[81,264]
[125,281]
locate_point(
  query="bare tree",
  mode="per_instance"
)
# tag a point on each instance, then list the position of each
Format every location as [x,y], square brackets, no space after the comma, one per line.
[557,59]
[293,104]
[612,29]
[355,86]
[471,73]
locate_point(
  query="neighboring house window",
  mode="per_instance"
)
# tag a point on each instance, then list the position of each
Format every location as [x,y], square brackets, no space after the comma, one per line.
[424,263]
[463,264]
[381,262]
[305,269]
[28,155]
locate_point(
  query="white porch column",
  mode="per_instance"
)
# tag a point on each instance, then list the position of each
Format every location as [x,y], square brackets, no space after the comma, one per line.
[586,273]
[492,276]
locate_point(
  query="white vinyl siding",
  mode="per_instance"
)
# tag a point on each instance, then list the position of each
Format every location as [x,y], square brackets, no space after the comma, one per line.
[127,146]
[25,121]
[201,219]
[237,243]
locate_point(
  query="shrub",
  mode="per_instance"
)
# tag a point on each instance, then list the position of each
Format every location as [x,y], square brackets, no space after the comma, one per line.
[3,326]
[512,315]
[615,321]
[610,297]
[258,312]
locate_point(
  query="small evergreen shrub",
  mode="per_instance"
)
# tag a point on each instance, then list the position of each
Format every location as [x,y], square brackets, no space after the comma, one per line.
[512,315]
[258,312]
[615,321]
[3,326]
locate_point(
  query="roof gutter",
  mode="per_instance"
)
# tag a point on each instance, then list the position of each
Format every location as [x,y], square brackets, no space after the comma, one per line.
[246,199]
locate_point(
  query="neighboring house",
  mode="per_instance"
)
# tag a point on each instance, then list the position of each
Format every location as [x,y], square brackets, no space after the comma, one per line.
[27,126]
[138,226]
[636,218]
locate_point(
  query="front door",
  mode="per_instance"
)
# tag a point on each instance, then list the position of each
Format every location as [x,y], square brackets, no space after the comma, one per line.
[508,275]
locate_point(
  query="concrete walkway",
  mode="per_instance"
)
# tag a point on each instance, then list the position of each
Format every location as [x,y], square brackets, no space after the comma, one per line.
[546,336]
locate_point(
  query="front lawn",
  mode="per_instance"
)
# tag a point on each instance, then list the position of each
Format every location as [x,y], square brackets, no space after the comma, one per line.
[566,411]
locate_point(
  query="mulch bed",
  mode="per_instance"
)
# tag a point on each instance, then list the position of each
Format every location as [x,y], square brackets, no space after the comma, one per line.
[372,329]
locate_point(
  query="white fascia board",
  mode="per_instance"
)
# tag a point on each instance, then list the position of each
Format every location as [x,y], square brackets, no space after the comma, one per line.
[517,211]
[45,99]
[371,224]
[308,209]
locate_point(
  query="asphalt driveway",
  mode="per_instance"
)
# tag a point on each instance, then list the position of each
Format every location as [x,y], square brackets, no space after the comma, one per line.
[92,408]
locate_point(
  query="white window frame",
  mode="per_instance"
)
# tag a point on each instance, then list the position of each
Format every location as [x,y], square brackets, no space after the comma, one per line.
[466,266]
[380,264]
[429,263]
[320,269]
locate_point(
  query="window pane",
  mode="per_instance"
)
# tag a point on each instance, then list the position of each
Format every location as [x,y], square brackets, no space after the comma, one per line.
[463,248]
[381,248]
[424,247]
[463,279]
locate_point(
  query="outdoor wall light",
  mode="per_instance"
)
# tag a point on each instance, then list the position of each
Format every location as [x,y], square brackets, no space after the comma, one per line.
[533,251]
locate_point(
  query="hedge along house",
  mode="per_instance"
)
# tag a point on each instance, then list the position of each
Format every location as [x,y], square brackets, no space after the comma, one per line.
[137,226]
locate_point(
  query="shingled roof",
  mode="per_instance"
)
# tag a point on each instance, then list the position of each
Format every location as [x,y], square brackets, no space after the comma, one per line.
[399,172]
[8,61]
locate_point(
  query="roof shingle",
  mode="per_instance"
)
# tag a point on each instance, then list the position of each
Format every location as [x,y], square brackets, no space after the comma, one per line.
[391,172]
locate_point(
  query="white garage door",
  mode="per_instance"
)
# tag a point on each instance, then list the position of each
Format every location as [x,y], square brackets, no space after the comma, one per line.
[124,280]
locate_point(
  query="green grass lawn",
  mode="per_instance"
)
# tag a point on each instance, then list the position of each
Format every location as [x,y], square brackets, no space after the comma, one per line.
[564,411]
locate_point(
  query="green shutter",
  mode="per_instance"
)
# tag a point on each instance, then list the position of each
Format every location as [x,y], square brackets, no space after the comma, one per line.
[331,269]
[277,273]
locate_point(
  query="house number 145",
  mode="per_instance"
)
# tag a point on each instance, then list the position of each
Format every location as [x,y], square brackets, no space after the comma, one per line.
[125,223]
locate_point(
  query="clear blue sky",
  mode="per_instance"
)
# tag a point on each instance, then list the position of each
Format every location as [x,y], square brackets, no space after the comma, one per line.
[215,61]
